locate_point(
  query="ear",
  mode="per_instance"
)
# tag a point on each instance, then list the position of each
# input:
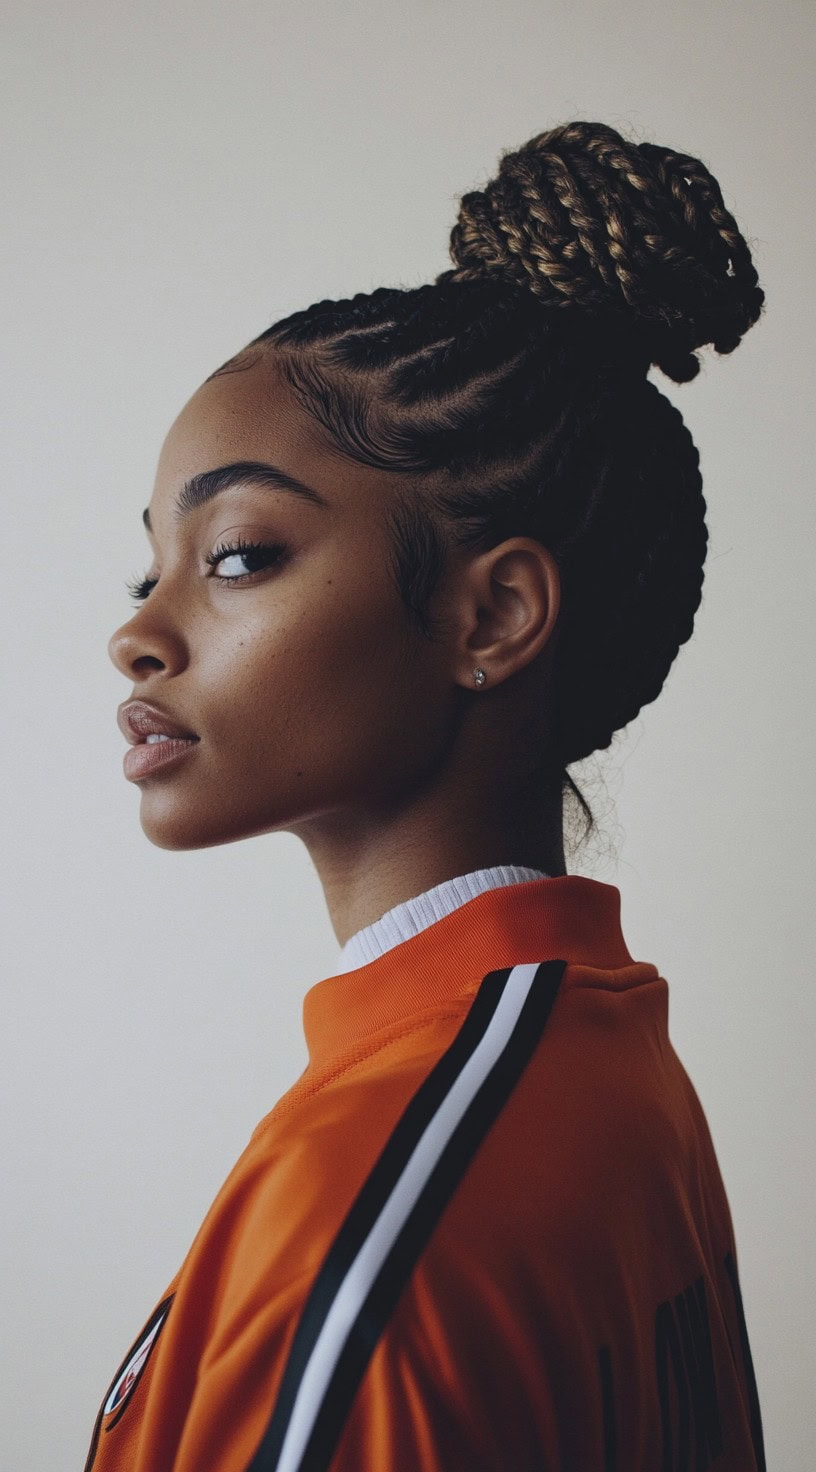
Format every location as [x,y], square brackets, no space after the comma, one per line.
[505,609]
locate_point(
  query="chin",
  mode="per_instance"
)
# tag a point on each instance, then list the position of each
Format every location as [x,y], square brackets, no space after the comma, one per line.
[181,831]
[176,825]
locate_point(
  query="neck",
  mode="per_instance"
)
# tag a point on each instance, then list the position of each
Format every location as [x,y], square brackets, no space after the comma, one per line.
[368,863]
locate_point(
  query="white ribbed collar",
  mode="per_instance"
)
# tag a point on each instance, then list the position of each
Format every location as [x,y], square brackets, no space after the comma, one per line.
[411,916]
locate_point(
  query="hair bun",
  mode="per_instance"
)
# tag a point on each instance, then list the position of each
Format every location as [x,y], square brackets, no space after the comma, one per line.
[634,235]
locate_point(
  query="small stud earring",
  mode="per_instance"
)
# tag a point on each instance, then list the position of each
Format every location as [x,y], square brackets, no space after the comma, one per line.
[479,677]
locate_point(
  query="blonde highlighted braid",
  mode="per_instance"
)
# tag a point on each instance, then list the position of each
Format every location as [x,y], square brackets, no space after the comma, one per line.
[582,218]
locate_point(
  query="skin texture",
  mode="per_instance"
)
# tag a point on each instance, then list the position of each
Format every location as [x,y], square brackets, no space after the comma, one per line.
[319,709]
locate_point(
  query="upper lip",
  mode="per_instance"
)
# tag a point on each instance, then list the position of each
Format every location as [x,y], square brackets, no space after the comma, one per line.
[137,720]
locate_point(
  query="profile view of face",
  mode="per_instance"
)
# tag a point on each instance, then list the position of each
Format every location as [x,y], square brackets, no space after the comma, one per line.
[289,658]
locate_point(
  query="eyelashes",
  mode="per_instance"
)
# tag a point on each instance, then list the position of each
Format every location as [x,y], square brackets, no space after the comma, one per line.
[139,588]
[259,555]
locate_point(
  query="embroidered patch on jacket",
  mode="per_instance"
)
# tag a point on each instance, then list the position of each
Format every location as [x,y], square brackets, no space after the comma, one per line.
[129,1377]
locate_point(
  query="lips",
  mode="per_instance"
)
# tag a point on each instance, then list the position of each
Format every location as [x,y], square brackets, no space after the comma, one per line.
[137,720]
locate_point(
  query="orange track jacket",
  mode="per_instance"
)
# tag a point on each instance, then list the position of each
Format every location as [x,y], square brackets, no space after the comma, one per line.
[484,1230]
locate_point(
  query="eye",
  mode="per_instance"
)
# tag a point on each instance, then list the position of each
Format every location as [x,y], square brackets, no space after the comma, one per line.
[240,558]
[235,561]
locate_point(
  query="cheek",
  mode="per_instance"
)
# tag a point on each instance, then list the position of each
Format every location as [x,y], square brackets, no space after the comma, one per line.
[344,678]
[362,695]
[333,672]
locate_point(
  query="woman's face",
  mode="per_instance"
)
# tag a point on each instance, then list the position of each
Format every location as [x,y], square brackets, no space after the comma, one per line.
[294,666]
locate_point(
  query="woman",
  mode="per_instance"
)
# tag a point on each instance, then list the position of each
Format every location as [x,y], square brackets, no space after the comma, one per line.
[414,554]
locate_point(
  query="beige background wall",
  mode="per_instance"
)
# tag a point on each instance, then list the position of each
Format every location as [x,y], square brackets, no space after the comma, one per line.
[178,176]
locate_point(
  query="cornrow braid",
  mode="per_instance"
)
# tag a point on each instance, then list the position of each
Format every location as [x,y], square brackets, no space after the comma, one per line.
[512,396]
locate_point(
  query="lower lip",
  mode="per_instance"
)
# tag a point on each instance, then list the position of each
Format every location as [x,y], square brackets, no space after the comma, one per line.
[146,758]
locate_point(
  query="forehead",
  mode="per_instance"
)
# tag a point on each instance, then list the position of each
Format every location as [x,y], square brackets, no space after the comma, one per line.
[240,413]
[248,411]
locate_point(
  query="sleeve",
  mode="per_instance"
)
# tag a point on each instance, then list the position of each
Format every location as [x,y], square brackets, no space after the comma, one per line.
[433,1402]
[237,1383]
[435,1384]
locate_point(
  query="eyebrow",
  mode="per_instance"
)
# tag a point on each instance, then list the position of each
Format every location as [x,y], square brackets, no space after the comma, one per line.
[201,488]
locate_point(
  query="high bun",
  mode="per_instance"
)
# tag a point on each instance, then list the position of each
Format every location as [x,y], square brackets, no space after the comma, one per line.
[580,217]
[511,396]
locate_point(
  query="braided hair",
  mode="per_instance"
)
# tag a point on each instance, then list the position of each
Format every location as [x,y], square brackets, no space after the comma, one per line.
[512,396]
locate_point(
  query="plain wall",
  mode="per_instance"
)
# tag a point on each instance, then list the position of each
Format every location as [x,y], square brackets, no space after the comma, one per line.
[180,175]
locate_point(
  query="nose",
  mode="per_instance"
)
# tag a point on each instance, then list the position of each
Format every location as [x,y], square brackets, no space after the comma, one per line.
[142,646]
